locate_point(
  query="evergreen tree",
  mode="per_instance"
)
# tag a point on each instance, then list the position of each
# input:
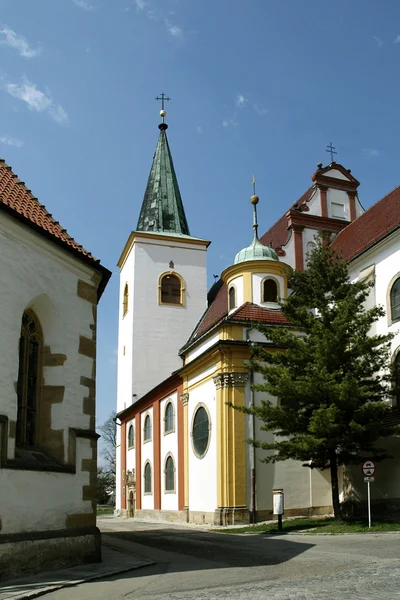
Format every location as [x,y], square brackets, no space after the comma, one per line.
[333,379]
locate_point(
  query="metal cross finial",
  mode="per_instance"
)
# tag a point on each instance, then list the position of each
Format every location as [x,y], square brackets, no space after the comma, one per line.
[163,99]
[331,149]
[253,183]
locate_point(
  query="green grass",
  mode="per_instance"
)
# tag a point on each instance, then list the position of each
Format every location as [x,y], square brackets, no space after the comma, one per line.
[321,525]
[104,511]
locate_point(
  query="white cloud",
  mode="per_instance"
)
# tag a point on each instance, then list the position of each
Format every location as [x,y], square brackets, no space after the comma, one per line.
[140,4]
[378,40]
[84,5]
[199,129]
[173,30]
[37,100]
[10,38]
[241,100]
[229,123]
[260,111]
[371,151]
[397,40]
[10,141]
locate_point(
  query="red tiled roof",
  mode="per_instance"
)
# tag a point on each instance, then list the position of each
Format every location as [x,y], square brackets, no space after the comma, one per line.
[253,312]
[277,235]
[214,313]
[370,227]
[20,202]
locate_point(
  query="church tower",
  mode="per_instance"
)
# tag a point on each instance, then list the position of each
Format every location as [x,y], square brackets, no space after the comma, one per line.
[163,283]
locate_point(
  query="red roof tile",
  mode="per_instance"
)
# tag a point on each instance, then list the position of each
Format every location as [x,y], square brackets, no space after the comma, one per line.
[214,313]
[370,227]
[253,312]
[19,201]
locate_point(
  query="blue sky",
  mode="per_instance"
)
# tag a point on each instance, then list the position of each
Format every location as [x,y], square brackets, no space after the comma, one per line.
[258,86]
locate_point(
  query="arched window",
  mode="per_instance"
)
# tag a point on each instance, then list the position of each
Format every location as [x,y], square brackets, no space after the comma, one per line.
[125,300]
[232,298]
[147,478]
[169,473]
[147,429]
[169,418]
[29,380]
[397,379]
[131,437]
[171,289]
[395,300]
[201,432]
[269,291]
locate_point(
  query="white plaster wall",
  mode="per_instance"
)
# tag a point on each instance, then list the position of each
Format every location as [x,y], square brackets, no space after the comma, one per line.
[169,445]
[314,204]
[160,331]
[336,174]
[40,501]
[202,348]
[125,336]
[237,282]
[359,208]
[339,197]
[289,249]
[309,237]
[203,472]
[256,280]
[37,274]
[118,464]
[148,455]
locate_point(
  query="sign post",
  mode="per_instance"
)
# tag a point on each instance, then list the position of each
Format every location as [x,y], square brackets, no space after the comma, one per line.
[278,505]
[368,468]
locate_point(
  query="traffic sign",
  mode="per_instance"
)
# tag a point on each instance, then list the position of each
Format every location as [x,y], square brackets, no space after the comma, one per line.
[368,468]
[369,479]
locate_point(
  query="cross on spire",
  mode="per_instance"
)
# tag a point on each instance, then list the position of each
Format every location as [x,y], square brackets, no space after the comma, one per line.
[163,99]
[331,149]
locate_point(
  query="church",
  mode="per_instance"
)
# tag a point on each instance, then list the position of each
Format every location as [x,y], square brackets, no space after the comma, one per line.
[50,288]
[183,352]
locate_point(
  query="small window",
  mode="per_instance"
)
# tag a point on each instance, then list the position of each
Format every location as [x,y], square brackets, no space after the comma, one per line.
[125,300]
[147,478]
[169,418]
[232,298]
[269,291]
[169,475]
[147,429]
[395,300]
[338,210]
[201,432]
[131,437]
[29,380]
[171,289]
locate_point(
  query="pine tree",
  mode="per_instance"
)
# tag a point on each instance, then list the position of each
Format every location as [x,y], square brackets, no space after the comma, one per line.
[332,381]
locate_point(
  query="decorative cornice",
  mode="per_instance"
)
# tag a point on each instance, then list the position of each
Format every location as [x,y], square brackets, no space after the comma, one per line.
[185,398]
[224,380]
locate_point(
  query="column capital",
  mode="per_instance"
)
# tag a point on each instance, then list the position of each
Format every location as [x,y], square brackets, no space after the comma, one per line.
[185,398]
[224,380]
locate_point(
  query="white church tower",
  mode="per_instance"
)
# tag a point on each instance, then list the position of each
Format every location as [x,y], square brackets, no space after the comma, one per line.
[163,285]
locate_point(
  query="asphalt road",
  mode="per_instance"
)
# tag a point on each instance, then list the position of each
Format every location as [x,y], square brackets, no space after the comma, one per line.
[196,564]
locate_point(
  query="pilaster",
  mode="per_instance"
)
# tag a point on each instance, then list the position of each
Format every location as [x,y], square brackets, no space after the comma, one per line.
[185,401]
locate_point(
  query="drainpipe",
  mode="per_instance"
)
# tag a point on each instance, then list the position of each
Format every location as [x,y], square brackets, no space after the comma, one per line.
[252,448]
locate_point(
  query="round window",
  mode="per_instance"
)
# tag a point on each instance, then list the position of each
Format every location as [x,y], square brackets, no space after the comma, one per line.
[201,432]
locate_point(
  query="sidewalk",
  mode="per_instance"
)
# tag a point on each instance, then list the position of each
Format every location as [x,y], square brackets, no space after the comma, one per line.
[43,583]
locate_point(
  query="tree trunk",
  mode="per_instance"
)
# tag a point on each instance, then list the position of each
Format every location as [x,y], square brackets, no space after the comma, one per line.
[335,486]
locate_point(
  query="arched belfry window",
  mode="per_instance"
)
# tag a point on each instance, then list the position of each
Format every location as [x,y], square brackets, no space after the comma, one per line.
[29,380]
[171,289]
[125,300]
[395,300]
[269,291]
[131,437]
[232,298]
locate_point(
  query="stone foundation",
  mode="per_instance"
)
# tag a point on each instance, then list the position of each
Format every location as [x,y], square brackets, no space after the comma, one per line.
[32,552]
[231,516]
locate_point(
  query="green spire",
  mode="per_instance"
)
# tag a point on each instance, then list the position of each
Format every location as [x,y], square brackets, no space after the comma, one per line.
[162,209]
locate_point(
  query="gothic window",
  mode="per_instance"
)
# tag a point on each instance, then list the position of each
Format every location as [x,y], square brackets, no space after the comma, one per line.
[232,298]
[171,289]
[169,473]
[131,437]
[147,429]
[125,300]
[395,300]
[147,478]
[397,379]
[169,418]
[201,432]
[269,291]
[29,380]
